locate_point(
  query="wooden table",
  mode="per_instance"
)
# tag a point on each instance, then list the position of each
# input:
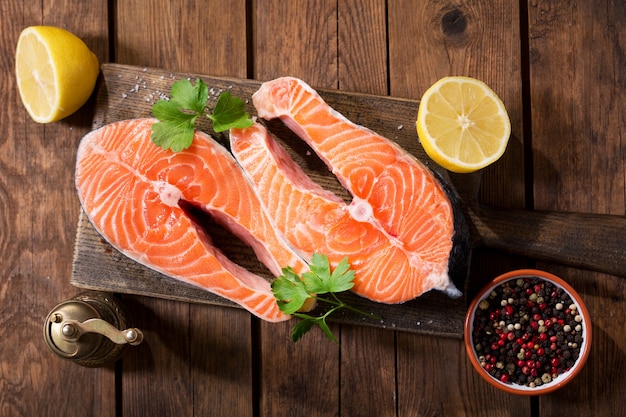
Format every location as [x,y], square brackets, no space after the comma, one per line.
[559,68]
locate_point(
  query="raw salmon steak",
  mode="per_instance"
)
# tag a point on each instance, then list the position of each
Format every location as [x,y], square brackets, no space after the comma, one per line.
[398,229]
[132,191]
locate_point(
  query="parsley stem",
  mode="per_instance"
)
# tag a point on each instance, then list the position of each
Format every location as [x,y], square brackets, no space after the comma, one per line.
[340,304]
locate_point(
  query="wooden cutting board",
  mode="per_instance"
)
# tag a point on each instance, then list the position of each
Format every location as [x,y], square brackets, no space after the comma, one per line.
[126,92]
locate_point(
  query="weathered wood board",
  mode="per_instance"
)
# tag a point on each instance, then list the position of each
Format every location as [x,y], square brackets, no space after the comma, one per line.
[126,92]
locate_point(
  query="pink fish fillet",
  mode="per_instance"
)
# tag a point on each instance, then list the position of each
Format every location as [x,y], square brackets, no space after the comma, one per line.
[131,191]
[397,231]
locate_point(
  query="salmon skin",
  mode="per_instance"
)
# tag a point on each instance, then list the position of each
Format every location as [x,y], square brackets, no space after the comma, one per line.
[131,191]
[398,229]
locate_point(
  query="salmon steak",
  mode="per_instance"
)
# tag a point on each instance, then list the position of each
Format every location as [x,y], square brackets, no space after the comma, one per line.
[133,193]
[397,231]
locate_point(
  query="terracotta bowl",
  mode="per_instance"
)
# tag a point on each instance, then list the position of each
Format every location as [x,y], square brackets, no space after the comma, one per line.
[539,341]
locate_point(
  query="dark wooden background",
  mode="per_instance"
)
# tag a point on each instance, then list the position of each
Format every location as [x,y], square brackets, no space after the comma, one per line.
[559,67]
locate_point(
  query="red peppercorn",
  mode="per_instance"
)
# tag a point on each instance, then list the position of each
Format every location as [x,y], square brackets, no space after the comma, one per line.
[553,346]
[495,346]
[553,339]
[504,378]
[529,291]
[526,370]
[531,364]
[501,342]
[534,325]
[543,306]
[509,310]
[488,367]
[520,341]
[537,317]
[555,362]
[521,363]
[541,351]
[543,337]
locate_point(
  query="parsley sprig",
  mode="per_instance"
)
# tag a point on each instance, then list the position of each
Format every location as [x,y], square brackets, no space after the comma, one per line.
[292,291]
[177,116]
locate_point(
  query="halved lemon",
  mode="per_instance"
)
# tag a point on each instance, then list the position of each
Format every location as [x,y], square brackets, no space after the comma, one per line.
[56,72]
[462,124]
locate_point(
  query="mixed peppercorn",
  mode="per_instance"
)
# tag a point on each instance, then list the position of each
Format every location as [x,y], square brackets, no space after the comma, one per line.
[527,331]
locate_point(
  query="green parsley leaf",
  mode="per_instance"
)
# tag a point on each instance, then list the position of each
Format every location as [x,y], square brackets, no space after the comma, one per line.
[188,97]
[326,330]
[319,280]
[177,116]
[229,113]
[175,129]
[292,291]
[302,327]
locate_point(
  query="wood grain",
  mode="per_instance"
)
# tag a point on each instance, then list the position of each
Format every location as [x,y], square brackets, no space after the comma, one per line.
[562,81]
[297,39]
[209,37]
[338,384]
[362,51]
[427,41]
[36,239]
[580,118]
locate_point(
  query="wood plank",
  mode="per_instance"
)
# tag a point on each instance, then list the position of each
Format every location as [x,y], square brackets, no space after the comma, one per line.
[224,349]
[97,266]
[367,354]
[427,42]
[578,131]
[156,377]
[224,361]
[36,199]
[209,371]
[362,47]
[305,46]
[297,39]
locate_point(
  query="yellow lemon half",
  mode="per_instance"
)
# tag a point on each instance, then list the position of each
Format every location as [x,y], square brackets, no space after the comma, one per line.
[462,124]
[56,72]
